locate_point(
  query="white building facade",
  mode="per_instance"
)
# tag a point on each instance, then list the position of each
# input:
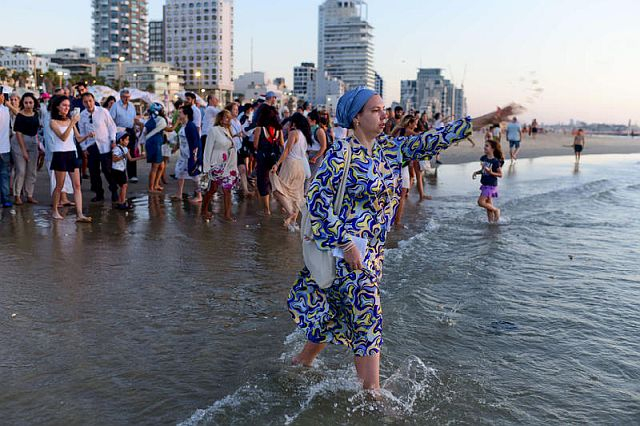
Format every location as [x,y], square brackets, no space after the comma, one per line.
[21,59]
[120,29]
[159,78]
[304,80]
[198,38]
[345,43]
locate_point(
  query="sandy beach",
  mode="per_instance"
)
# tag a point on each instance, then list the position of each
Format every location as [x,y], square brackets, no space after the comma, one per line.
[544,145]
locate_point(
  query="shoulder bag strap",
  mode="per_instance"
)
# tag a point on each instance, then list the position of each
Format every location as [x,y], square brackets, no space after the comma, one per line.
[343,183]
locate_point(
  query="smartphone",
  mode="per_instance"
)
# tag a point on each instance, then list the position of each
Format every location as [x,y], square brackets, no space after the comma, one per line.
[76,111]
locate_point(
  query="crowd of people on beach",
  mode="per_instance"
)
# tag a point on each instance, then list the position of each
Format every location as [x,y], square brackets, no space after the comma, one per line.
[255,149]
[348,176]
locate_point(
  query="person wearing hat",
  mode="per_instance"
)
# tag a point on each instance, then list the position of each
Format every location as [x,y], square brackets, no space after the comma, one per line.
[154,130]
[349,311]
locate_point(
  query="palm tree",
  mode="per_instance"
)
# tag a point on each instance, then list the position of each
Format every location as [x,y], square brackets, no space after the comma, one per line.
[23,76]
[4,74]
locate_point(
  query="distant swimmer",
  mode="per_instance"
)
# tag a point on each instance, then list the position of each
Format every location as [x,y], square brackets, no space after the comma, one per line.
[491,170]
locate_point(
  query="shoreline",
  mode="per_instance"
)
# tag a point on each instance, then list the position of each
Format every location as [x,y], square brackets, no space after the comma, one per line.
[547,145]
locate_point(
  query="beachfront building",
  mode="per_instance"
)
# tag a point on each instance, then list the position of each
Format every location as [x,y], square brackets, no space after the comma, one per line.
[408,94]
[345,44]
[77,60]
[198,38]
[304,80]
[18,58]
[120,30]
[331,89]
[250,86]
[22,60]
[379,86]
[159,78]
[432,92]
[156,41]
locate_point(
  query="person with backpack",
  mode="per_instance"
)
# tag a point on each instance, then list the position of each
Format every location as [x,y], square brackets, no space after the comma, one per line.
[267,142]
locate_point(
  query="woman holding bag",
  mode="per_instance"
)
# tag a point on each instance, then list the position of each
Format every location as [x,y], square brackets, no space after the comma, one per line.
[348,312]
[288,183]
[220,162]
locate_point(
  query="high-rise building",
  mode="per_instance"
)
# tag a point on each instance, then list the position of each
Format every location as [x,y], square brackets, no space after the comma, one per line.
[156,41]
[379,86]
[304,80]
[120,29]
[198,38]
[408,94]
[432,92]
[345,43]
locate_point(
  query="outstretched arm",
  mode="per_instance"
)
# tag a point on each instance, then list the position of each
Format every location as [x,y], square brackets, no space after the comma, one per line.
[427,144]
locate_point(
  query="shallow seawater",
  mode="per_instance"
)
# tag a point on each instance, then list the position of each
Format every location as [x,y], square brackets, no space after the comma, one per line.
[157,318]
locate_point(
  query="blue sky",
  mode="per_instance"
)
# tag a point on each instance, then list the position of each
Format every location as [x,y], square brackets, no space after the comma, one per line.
[561,59]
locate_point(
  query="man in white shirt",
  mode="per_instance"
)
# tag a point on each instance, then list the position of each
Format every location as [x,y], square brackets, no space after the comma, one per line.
[97,120]
[209,119]
[190,99]
[124,115]
[5,151]
[514,136]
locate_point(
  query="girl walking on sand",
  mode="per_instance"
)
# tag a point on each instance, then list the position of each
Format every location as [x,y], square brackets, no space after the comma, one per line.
[491,170]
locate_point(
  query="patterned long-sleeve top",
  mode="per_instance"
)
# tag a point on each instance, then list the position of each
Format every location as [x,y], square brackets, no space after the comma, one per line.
[373,187]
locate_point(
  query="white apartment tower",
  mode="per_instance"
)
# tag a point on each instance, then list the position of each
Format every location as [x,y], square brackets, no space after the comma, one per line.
[120,29]
[304,77]
[345,42]
[199,40]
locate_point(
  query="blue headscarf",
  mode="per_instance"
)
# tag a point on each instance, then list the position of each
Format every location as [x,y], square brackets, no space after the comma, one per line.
[350,104]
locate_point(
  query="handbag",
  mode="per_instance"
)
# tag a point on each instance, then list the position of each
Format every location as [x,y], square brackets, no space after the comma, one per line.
[321,263]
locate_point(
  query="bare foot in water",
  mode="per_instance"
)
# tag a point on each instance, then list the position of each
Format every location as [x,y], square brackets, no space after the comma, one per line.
[297,360]
[496,216]
[57,216]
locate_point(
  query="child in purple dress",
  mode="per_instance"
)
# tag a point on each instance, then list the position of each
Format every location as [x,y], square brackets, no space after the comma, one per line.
[491,170]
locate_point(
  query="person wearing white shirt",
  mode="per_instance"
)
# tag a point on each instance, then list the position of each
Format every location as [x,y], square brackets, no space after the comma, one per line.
[98,120]
[125,116]
[5,152]
[210,113]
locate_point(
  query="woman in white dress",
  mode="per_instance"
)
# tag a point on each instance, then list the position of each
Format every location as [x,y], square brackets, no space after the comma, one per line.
[288,183]
[220,163]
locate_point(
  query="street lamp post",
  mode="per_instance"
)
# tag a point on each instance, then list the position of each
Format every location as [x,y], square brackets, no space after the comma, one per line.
[198,74]
[60,78]
[135,80]
[121,59]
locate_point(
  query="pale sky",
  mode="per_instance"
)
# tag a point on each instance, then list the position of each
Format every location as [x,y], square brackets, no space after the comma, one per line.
[561,59]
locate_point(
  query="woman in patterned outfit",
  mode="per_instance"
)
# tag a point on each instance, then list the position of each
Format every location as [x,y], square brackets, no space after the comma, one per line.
[349,311]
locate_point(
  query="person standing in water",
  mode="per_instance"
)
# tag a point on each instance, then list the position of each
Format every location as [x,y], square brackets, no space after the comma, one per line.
[578,144]
[349,311]
[491,170]
[514,136]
